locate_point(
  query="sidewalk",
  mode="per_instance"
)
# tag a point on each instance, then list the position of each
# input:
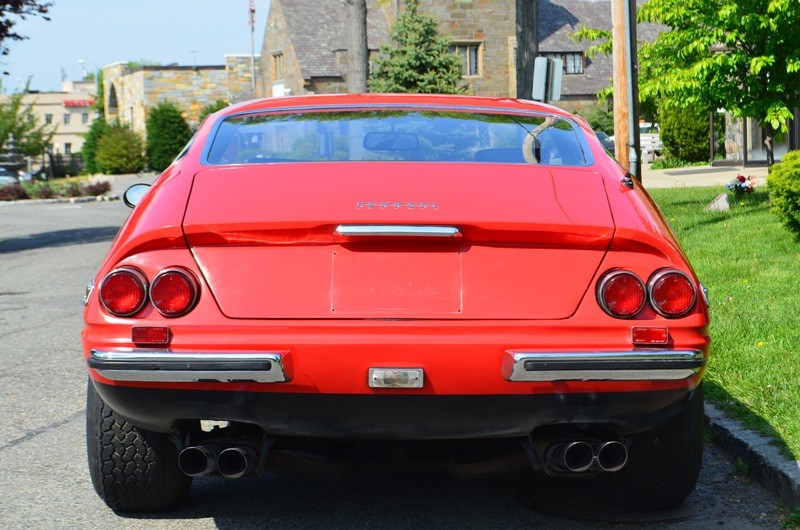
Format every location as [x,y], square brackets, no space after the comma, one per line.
[698,176]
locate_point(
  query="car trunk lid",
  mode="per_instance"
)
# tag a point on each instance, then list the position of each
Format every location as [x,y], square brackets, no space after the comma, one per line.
[277,240]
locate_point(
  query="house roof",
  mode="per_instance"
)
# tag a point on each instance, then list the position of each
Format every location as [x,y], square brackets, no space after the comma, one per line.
[318,28]
[559,19]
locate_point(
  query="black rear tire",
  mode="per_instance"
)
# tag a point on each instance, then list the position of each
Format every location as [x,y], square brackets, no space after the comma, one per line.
[132,470]
[663,463]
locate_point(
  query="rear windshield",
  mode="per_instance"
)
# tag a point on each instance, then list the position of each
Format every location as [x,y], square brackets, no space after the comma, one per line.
[396,135]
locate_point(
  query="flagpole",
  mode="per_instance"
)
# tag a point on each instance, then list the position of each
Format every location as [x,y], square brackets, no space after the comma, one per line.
[253,47]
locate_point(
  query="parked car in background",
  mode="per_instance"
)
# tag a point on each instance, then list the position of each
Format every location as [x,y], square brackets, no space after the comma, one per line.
[606,140]
[7,177]
[330,282]
[650,140]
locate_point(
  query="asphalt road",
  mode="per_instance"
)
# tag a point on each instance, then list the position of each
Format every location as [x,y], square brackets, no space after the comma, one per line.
[48,252]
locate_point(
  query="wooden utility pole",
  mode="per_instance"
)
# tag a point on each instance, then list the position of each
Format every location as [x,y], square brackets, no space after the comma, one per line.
[626,104]
[621,132]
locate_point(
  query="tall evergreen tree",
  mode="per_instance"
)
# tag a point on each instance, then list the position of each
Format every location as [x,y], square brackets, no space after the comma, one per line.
[167,134]
[418,59]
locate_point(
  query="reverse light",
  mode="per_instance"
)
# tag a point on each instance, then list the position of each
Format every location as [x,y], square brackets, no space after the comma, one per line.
[621,294]
[123,292]
[672,293]
[173,292]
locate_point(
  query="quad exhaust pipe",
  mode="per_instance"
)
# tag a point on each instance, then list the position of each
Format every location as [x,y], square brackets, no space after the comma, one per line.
[580,456]
[233,462]
[198,460]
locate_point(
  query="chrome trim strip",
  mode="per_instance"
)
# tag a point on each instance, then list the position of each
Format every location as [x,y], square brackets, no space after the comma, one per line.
[170,367]
[398,230]
[633,365]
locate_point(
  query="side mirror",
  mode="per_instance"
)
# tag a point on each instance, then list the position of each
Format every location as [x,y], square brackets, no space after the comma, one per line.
[134,194]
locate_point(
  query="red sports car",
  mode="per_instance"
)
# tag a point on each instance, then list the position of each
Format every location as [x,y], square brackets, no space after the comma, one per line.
[318,281]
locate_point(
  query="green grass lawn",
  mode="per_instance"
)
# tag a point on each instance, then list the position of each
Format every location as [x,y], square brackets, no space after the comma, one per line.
[750,263]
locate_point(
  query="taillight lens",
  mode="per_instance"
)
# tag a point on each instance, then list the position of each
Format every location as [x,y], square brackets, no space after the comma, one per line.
[672,293]
[124,292]
[621,294]
[173,292]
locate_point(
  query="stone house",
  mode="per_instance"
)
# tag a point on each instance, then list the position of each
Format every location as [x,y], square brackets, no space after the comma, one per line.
[305,46]
[301,58]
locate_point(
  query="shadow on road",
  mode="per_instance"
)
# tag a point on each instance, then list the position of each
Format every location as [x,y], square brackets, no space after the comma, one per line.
[58,238]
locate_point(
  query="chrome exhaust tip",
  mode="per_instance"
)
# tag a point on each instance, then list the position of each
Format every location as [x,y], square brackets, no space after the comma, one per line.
[611,456]
[575,457]
[198,460]
[236,462]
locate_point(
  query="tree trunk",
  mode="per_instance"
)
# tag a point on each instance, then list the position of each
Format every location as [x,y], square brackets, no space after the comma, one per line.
[769,141]
[357,51]
[527,45]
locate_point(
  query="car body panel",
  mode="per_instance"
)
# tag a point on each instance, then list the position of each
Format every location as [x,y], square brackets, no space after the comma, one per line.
[274,275]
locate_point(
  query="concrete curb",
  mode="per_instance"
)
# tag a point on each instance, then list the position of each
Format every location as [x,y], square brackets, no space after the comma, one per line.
[768,466]
[62,200]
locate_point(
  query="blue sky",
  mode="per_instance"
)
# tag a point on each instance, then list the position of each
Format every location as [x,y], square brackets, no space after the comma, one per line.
[100,32]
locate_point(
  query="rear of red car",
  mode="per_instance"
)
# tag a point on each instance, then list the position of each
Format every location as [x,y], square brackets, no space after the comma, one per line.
[322,271]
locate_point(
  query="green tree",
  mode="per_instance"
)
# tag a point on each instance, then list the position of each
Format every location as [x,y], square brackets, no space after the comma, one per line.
[167,134]
[741,55]
[120,150]
[97,130]
[213,107]
[418,59]
[17,118]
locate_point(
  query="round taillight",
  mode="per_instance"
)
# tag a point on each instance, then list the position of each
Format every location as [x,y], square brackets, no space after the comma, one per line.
[124,292]
[672,293]
[173,292]
[621,294]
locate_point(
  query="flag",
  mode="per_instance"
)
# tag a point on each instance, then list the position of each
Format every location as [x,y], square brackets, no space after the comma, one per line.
[252,13]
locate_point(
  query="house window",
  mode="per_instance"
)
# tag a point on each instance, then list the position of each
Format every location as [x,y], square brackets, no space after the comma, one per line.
[84,118]
[66,119]
[48,119]
[573,61]
[67,148]
[277,66]
[470,54]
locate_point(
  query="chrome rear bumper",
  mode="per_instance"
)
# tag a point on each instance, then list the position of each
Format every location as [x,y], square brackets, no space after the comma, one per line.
[171,367]
[634,365]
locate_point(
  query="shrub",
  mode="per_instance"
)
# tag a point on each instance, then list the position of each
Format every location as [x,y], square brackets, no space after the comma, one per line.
[97,188]
[600,120]
[784,189]
[97,130]
[684,132]
[73,189]
[167,134]
[12,192]
[41,190]
[120,151]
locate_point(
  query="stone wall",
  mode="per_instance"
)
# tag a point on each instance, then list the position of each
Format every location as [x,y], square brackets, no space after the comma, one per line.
[239,72]
[130,94]
[488,22]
